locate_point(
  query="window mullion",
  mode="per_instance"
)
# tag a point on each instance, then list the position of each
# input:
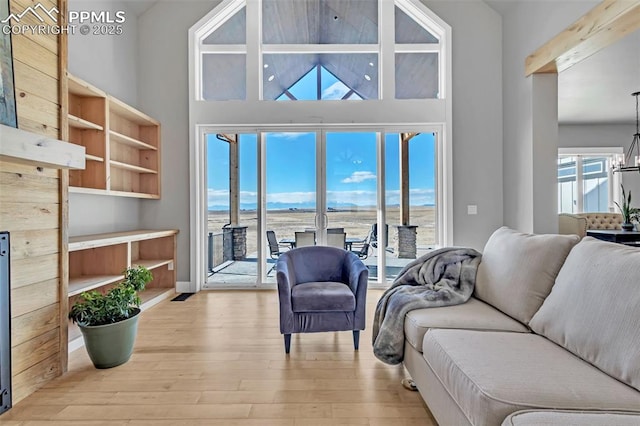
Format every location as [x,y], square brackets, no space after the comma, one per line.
[320,48]
[254,56]
[579,185]
[387,57]
[418,48]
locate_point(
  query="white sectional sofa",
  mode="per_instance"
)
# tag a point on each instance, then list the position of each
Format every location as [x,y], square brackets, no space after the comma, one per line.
[551,336]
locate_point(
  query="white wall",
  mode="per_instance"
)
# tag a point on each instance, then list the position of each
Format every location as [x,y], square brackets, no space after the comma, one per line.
[527,25]
[109,62]
[477,118]
[603,135]
[163,90]
[477,112]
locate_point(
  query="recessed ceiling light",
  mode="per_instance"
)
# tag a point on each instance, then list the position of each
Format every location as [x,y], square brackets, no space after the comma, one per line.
[370,64]
[271,77]
[266,65]
[366,77]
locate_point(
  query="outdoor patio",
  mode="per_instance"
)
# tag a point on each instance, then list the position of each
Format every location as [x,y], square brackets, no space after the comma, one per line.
[244,272]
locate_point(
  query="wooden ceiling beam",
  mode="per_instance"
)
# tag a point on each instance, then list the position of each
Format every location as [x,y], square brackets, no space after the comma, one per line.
[603,25]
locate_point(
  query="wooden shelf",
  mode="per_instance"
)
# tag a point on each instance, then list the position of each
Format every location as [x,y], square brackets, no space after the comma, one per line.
[111,130]
[131,167]
[82,88]
[83,190]
[86,283]
[97,262]
[152,264]
[83,242]
[134,195]
[117,137]
[129,113]
[94,158]
[81,123]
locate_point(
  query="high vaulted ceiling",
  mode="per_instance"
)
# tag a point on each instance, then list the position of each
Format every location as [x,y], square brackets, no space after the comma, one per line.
[337,22]
[597,90]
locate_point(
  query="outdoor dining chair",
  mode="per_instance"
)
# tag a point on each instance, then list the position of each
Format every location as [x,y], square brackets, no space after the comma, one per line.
[336,239]
[305,238]
[274,247]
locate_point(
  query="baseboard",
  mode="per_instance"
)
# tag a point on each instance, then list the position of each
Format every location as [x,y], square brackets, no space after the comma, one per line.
[184,287]
[76,343]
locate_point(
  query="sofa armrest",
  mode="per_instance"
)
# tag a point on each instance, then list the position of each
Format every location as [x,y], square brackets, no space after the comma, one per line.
[358,275]
[572,224]
[285,279]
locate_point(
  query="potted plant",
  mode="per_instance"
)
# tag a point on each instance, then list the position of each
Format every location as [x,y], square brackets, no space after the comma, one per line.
[629,214]
[109,322]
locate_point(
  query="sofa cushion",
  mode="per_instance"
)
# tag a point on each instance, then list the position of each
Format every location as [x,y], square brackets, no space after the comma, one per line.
[491,374]
[569,418]
[594,308]
[472,315]
[518,270]
[322,296]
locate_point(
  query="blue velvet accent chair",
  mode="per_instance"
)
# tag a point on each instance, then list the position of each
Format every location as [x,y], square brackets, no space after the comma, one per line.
[321,289]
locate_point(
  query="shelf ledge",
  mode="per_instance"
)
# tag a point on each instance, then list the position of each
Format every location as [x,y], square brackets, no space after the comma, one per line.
[126,140]
[89,282]
[131,167]
[81,123]
[152,263]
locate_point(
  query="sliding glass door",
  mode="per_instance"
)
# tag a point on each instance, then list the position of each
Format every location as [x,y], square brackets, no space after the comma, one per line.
[291,193]
[370,192]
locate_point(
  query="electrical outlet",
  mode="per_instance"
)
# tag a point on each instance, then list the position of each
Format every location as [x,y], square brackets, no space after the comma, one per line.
[472,209]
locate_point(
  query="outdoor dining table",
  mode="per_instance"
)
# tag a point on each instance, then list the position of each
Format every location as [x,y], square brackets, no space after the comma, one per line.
[348,243]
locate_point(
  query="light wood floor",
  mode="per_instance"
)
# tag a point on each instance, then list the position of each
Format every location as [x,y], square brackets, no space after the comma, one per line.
[218,359]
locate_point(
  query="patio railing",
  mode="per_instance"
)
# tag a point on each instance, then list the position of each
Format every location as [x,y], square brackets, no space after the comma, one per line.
[215,251]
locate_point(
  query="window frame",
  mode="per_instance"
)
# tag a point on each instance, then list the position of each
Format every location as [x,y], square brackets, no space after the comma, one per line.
[613,154]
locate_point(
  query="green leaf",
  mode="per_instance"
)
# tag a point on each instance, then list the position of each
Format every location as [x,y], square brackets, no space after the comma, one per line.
[115,305]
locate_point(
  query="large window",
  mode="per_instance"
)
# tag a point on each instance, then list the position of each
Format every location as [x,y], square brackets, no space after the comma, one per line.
[339,41]
[585,181]
[278,70]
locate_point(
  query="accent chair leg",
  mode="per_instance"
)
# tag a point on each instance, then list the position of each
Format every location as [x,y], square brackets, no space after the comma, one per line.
[356,339]
[287,343]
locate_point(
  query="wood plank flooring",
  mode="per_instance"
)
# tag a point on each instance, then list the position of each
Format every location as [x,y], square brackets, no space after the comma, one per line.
[218,359]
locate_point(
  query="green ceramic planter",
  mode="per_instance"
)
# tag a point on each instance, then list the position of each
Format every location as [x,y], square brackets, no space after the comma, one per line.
[112,344]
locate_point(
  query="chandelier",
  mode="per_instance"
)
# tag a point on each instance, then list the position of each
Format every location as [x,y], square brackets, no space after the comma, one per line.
[631,162]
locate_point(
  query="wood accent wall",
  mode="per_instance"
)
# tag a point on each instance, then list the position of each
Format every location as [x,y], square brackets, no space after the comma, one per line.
[33,208]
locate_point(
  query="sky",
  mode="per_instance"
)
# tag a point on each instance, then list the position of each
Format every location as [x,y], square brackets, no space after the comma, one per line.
[351,170]
[351,164]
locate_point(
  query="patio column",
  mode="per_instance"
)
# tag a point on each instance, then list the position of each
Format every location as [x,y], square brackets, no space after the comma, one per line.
[404,177]
[234,181]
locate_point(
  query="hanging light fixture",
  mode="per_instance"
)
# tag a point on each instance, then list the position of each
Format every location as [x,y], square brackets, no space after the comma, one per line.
[631,162]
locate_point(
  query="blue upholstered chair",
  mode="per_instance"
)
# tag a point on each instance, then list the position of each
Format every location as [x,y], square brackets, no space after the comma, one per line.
[321,289]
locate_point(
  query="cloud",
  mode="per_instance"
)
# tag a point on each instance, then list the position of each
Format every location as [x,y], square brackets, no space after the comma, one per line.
[358,198]
[417,196]
[287,135]
[358,177]
[220,197]
[335,92]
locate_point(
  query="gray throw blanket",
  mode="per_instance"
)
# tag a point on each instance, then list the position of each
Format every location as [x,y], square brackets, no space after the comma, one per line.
[442,277]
